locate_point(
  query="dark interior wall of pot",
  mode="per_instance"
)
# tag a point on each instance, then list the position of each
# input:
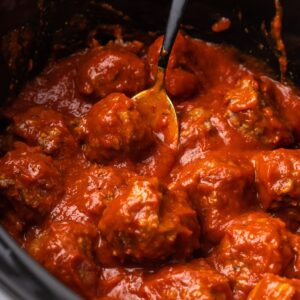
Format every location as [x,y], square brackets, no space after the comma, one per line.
[31,31]
[27,28]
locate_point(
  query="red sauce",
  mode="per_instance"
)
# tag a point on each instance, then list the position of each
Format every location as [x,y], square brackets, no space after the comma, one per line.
[221,25]
[94,196]
[276,30]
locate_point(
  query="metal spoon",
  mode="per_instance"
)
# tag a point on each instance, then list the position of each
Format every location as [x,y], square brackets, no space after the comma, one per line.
[154,103]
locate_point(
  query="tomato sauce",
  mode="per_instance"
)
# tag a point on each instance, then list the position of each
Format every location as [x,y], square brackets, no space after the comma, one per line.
[97,198]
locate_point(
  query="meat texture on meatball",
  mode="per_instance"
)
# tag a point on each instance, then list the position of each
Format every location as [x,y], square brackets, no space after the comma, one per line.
[88,192]
[254,117]
[278,177]
[150,223]
[190,281]
[114,128]
[120,283]
[193,280]
[66,250]
[30,181]
[43,127]
[197,134]
[219,189]
[105,70]
[254,244]
[273,287]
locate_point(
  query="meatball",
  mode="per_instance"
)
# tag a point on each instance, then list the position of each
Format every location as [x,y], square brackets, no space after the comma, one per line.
[287,99]
[219,188]
[120,283]
[112,128]
[197,132]
[180,78]
[88,193]
[293,269]
[65,249]
[43,127]
[278,177]
[149,223]
[54,88]
[254,244]
[249,112]
[194,280]
[273,287]
[104,71]
[30,181]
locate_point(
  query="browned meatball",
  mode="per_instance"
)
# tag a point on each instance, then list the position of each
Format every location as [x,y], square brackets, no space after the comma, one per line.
[104,71]
[287,98]
[43,127]
[120,283]
[251,114]
[65,249]
[293,269]
[278,177]
[197,134]
[112,128]
[150,223]
[254,244]
[88,192]
[180,79]
[219,188]
[30,180]
[194,280]
[273,287]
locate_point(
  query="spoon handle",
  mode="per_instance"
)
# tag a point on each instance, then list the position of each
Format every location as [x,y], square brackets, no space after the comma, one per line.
[174,20]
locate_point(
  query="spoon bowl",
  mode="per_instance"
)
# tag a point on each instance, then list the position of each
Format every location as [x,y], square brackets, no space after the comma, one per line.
[154,104]
[157,109]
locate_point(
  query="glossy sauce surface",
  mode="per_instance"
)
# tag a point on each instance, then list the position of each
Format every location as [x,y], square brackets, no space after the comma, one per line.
[98,198]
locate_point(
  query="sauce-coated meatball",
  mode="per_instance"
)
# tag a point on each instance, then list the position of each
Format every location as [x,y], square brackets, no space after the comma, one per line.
[120,283]
[197,135]
[88,193]
[43,127]
[254,244]
[278,177]
[219,188]
[273,287]
[190,281]
[194,280]
[65,249]
[112,128]
[30,180]
[251,114]
[104,71]
[148,222]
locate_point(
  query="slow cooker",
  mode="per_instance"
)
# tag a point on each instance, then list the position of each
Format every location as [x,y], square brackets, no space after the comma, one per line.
[44,29]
